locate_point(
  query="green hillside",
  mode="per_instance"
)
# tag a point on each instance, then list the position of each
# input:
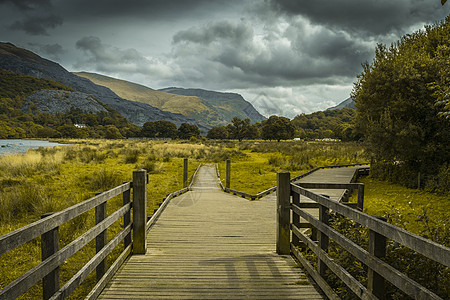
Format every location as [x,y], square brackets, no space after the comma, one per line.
[190,106]
[18,122]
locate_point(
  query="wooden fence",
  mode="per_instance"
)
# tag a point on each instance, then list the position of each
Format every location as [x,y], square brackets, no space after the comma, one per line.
[133,234]
[227,188]
[379,231]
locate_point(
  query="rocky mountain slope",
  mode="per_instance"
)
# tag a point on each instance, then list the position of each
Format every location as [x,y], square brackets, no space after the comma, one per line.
[206,107]
[25,62]
[228,105]
[347,103]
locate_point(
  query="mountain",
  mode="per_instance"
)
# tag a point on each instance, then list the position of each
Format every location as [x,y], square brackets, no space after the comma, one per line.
[25,62]
[206,107]
[347,103]
[189,106]
[228,105]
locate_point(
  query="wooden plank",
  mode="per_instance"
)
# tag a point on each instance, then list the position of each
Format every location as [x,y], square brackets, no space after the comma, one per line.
[30,278]
[400,280]
[426,247]
[25,234]
[329,292]
[359,290]
[212,245]
[82,274]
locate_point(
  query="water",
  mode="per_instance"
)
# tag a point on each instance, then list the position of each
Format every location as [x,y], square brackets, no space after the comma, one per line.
[21,146]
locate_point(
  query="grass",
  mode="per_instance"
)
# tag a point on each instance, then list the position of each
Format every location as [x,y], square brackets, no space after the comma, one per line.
[403,207]
[46,180]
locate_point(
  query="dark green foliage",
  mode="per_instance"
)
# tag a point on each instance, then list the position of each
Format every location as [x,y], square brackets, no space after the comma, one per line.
[242,129]
[397,111]
[335,124]
[186,131]
[218,133]
[165,129]
[277,128]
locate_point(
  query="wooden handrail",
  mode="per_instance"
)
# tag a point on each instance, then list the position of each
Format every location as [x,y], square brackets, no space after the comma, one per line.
[53,259]
[378,229]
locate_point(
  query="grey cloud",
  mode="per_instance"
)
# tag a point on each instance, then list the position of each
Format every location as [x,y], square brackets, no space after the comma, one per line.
[37,25]
[379,17]
[105,58]
[220,31]
[292,56]
[28,4]
[52,51]
[151,10]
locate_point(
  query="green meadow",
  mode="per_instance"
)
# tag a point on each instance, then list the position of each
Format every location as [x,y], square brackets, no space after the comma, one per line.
[51,179]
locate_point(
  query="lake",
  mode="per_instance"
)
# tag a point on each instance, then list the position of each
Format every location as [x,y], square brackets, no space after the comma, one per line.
[21,146]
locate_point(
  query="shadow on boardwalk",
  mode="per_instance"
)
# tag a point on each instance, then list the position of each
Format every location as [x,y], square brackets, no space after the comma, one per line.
[211,245]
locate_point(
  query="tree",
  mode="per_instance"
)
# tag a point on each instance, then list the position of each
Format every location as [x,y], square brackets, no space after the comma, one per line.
[165,129]
[112,132]
[239,129]
[218,133]
[186,131]
[149,129]
[277,128]
[396,110]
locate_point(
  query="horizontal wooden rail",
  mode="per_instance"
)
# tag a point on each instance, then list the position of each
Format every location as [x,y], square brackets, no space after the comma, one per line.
[274,188]
[379,231]
[25,234]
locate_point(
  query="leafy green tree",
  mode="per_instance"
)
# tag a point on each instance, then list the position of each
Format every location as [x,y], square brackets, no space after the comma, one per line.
[240,129]
[149,129]
[396,110]
[112,132]
[165,129]
[277,128]
[186,131]
[218,133]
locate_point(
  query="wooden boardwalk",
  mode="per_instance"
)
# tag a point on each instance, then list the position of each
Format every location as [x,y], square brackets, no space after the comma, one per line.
[211,245]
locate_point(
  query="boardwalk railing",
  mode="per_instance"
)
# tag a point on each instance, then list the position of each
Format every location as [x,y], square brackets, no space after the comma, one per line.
[227,188]
[379,231]
[133,234]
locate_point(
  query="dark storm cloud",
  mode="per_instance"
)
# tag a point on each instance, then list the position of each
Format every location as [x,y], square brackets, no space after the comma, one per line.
[220,32]
[376,17]
[295,54]
[150,10]
[106,58]
[52,51]
[37,25]
[28,4]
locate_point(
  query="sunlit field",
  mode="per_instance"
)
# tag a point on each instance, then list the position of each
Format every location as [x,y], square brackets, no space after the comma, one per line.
[51,179]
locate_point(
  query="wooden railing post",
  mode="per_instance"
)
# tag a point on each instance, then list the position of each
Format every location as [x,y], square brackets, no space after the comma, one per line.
[323,238]
[185,172]
[228,174]
[100,240]
[377,247]
[49,246]
[295,218]
[283,212]
[360,204]
[139,211]
[126,197]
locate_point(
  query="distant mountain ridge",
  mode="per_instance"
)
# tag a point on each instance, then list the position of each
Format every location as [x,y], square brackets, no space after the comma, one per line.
[25,62]
[209,108]
[347,103]
[228,105]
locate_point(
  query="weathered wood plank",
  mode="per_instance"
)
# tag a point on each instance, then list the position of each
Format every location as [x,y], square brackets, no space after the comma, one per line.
[413,241]
[25,234]
[211,245]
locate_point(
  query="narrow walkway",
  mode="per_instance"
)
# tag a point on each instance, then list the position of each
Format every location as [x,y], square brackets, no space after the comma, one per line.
[211,245]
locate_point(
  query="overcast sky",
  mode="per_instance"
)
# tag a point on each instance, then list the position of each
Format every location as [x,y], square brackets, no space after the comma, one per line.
[286,57]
